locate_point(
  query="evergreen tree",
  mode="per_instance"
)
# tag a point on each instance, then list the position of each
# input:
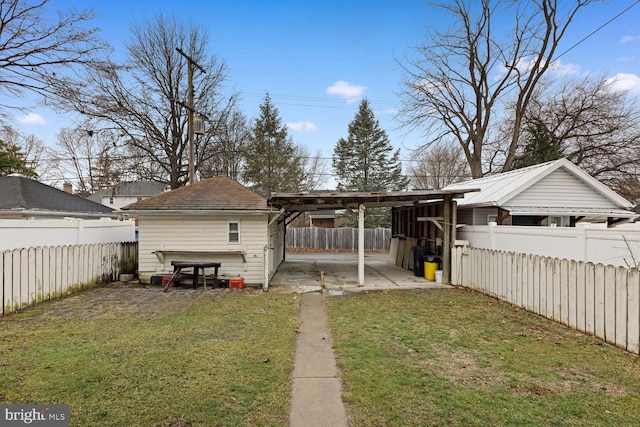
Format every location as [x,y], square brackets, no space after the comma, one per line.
[366,162]
[540,147]
[272,163]
[13,161]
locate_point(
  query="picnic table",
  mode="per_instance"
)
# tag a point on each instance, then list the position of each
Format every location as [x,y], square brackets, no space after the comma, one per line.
[196,266]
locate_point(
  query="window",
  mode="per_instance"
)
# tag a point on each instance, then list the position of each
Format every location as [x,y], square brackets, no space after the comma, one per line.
[234,232]
[492,218]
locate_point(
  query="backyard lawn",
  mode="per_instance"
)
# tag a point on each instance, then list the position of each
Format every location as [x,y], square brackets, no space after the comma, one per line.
[153,359]
[458,358]
[122,357]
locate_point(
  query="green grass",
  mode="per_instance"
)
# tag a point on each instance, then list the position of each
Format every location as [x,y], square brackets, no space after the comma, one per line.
[216,361]
[407,358]
[457,358]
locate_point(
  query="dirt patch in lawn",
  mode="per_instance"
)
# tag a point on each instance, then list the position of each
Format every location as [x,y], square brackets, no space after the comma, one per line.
[120,300]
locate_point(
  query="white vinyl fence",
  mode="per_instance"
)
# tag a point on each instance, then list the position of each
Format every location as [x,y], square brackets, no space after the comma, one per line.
[343,238]
[619,246]
[592,298]
[27,233]
[32,275]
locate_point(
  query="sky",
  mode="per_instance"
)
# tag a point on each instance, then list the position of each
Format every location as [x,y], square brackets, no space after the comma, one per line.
[317,59]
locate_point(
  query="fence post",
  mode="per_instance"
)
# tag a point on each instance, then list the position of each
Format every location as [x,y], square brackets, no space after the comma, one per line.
[633,311]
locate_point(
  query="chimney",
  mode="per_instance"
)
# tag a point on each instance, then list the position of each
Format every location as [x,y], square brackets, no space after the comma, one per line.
[67,187]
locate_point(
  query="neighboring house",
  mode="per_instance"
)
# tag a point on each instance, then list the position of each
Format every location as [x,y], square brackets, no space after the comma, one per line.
[556,193]
[216,220]
[24,198]
[322,219]
[126,193]
[637,210]
[34,214]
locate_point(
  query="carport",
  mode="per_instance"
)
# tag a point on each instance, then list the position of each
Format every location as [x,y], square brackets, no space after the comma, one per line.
[408,205]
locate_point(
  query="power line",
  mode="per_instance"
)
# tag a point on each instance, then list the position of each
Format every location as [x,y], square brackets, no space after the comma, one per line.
[596,30]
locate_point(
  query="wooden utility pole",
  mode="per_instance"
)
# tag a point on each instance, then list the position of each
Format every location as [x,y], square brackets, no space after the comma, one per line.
[190,108]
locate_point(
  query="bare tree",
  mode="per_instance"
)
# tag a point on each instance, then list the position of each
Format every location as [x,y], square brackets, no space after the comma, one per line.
[145,98]
[596,126]
[437,166]
[459,82]
[38,48]
[226,145]
[88,159]
[315,168]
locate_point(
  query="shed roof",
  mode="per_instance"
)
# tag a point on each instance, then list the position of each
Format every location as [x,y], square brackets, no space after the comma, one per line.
[19,193]
[506,190]
[213,194]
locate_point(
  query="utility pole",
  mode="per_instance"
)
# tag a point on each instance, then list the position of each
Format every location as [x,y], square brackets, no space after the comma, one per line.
[190,108]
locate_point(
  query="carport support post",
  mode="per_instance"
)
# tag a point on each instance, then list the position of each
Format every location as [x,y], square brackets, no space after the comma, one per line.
[447,231]
[361,245]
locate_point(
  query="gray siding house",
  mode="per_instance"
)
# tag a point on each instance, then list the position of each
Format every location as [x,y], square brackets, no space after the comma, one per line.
[215,220]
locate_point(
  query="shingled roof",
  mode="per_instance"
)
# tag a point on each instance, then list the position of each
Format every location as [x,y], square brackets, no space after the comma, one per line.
[219,193]
[18,193]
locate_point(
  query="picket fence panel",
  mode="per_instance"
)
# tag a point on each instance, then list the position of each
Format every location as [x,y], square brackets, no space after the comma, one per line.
[30,276]
[343,238]
[602,300]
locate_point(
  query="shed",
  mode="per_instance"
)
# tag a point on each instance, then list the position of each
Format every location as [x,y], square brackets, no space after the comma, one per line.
[322,219]
[214,220]
[556,193]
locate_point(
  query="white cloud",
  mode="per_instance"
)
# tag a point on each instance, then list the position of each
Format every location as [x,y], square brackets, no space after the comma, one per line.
[558,68]
[526,65]
[31,119]
[628,82]
[302,126]
[626,59]
[629,38]
[347,91]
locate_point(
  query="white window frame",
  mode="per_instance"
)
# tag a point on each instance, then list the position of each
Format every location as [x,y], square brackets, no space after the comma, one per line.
[232,232]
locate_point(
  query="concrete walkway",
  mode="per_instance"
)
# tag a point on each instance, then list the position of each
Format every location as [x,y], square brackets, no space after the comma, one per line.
[317,392]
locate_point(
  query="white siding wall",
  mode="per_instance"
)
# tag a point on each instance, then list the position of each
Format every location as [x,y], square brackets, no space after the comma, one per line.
[480,215]
[203,233]
[465,216]
[120,201]
[560,189]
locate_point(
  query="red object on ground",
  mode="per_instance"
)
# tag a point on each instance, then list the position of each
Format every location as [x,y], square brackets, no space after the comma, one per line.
[236,283]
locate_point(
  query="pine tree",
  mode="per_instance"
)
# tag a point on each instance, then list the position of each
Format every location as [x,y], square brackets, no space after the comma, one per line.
[541,146]
[366,162]
[13,161]
[272,163]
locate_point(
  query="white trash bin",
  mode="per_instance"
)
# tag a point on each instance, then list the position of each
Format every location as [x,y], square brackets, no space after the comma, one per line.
[438,276]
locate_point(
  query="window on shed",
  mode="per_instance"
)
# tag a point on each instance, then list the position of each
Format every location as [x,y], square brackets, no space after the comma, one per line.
[234,232]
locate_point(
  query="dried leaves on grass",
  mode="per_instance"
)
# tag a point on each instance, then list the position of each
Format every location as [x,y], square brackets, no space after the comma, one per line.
[175,359]
[455,357]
